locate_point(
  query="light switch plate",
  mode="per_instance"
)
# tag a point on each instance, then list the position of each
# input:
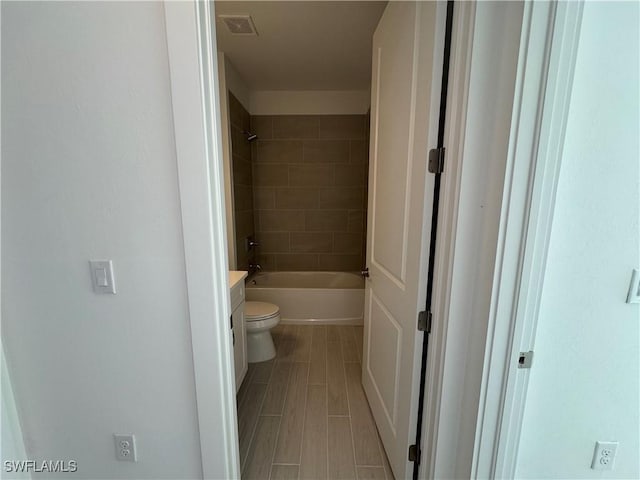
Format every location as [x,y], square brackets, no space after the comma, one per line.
[102,276]
[634,288]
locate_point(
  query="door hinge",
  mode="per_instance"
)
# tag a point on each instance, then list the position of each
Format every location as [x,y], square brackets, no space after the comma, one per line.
[525,359]
[436,160]
[424,321]
[414,454]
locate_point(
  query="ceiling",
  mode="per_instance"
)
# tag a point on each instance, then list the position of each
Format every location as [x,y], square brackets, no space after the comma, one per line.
[309,45]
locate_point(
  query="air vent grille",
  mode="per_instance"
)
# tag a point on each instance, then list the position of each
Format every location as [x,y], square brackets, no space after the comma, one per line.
[239,24]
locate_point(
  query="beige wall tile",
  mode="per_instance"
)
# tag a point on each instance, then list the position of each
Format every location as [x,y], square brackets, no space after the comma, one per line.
[281,220]
[273,242]
[242,171]
[297,262]
[264,198]
[346,198]
[278,151]
[311,242]
[340,263]
[359,151]
[239,144]
[326,221]
[238,114]
[295,126]
[347,243]
[342,126]
[311,175]
[296,198]
[242,197]
[350,175]
[326,151]
[356,221]
[262,125]
[270,175]
[267,261]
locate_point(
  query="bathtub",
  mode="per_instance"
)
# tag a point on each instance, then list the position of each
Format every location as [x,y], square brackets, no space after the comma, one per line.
[311,297]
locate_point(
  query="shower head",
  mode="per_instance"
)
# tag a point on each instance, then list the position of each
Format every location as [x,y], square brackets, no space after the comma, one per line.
[250,136]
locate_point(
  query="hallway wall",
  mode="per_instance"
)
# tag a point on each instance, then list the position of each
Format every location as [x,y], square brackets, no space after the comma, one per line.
[89,172]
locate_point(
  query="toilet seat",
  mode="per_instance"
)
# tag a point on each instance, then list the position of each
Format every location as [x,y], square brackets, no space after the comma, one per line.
[257,311]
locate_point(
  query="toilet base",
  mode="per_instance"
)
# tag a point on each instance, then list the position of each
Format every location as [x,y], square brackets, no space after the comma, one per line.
[260,347]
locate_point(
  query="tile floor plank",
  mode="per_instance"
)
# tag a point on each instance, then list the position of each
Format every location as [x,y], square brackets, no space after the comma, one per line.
[358,333]
[313,463]
[290,437]
[277,389]
[302,348]
[348,341]
[341,465]
[365,434]
[258,464]
[318,368]
[261,371]
[248,412]
[286,343]
[371,473]
[284,472]
[336,382]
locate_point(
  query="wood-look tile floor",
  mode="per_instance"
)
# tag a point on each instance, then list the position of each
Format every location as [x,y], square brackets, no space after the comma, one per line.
[304,414]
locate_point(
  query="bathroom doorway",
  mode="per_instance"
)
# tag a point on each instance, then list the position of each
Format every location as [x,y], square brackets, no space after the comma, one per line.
[301,183]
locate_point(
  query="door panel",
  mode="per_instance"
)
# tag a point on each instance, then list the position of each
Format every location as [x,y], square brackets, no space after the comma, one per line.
[403,125]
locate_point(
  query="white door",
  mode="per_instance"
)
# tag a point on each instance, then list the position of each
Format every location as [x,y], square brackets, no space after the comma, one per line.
[405,99]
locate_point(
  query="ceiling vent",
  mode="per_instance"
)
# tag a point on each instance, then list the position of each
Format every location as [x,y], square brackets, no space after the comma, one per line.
[239,24]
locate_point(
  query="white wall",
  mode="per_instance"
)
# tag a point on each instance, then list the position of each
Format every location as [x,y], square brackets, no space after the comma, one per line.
[585,379]
[89,171]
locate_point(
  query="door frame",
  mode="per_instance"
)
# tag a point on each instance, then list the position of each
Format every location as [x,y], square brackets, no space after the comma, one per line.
[193,70]
[485,435]
[545,83]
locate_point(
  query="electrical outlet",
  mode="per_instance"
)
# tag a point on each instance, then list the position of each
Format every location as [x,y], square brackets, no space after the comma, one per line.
[125,447]
[604,455]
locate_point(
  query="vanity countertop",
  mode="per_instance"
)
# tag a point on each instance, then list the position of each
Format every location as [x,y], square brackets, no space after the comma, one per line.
[235,277]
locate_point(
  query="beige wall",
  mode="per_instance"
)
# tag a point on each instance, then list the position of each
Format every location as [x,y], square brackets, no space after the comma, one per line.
[309,179]
[242,181]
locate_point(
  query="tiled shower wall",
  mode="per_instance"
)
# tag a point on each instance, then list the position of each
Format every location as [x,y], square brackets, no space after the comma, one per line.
[309,186]
[242,181]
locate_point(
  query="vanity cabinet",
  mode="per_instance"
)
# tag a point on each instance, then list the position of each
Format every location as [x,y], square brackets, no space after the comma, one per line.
[238,329]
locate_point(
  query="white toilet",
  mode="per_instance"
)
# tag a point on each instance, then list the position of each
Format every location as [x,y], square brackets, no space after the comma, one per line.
[260,318]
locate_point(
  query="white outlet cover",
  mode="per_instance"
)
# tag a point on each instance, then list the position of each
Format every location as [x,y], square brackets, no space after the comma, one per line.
[604,455]
[125,447]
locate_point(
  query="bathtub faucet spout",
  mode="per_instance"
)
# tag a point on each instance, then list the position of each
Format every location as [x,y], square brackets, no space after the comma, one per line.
[255,266]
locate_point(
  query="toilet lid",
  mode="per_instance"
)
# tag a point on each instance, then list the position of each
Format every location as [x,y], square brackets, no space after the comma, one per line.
[259,311]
